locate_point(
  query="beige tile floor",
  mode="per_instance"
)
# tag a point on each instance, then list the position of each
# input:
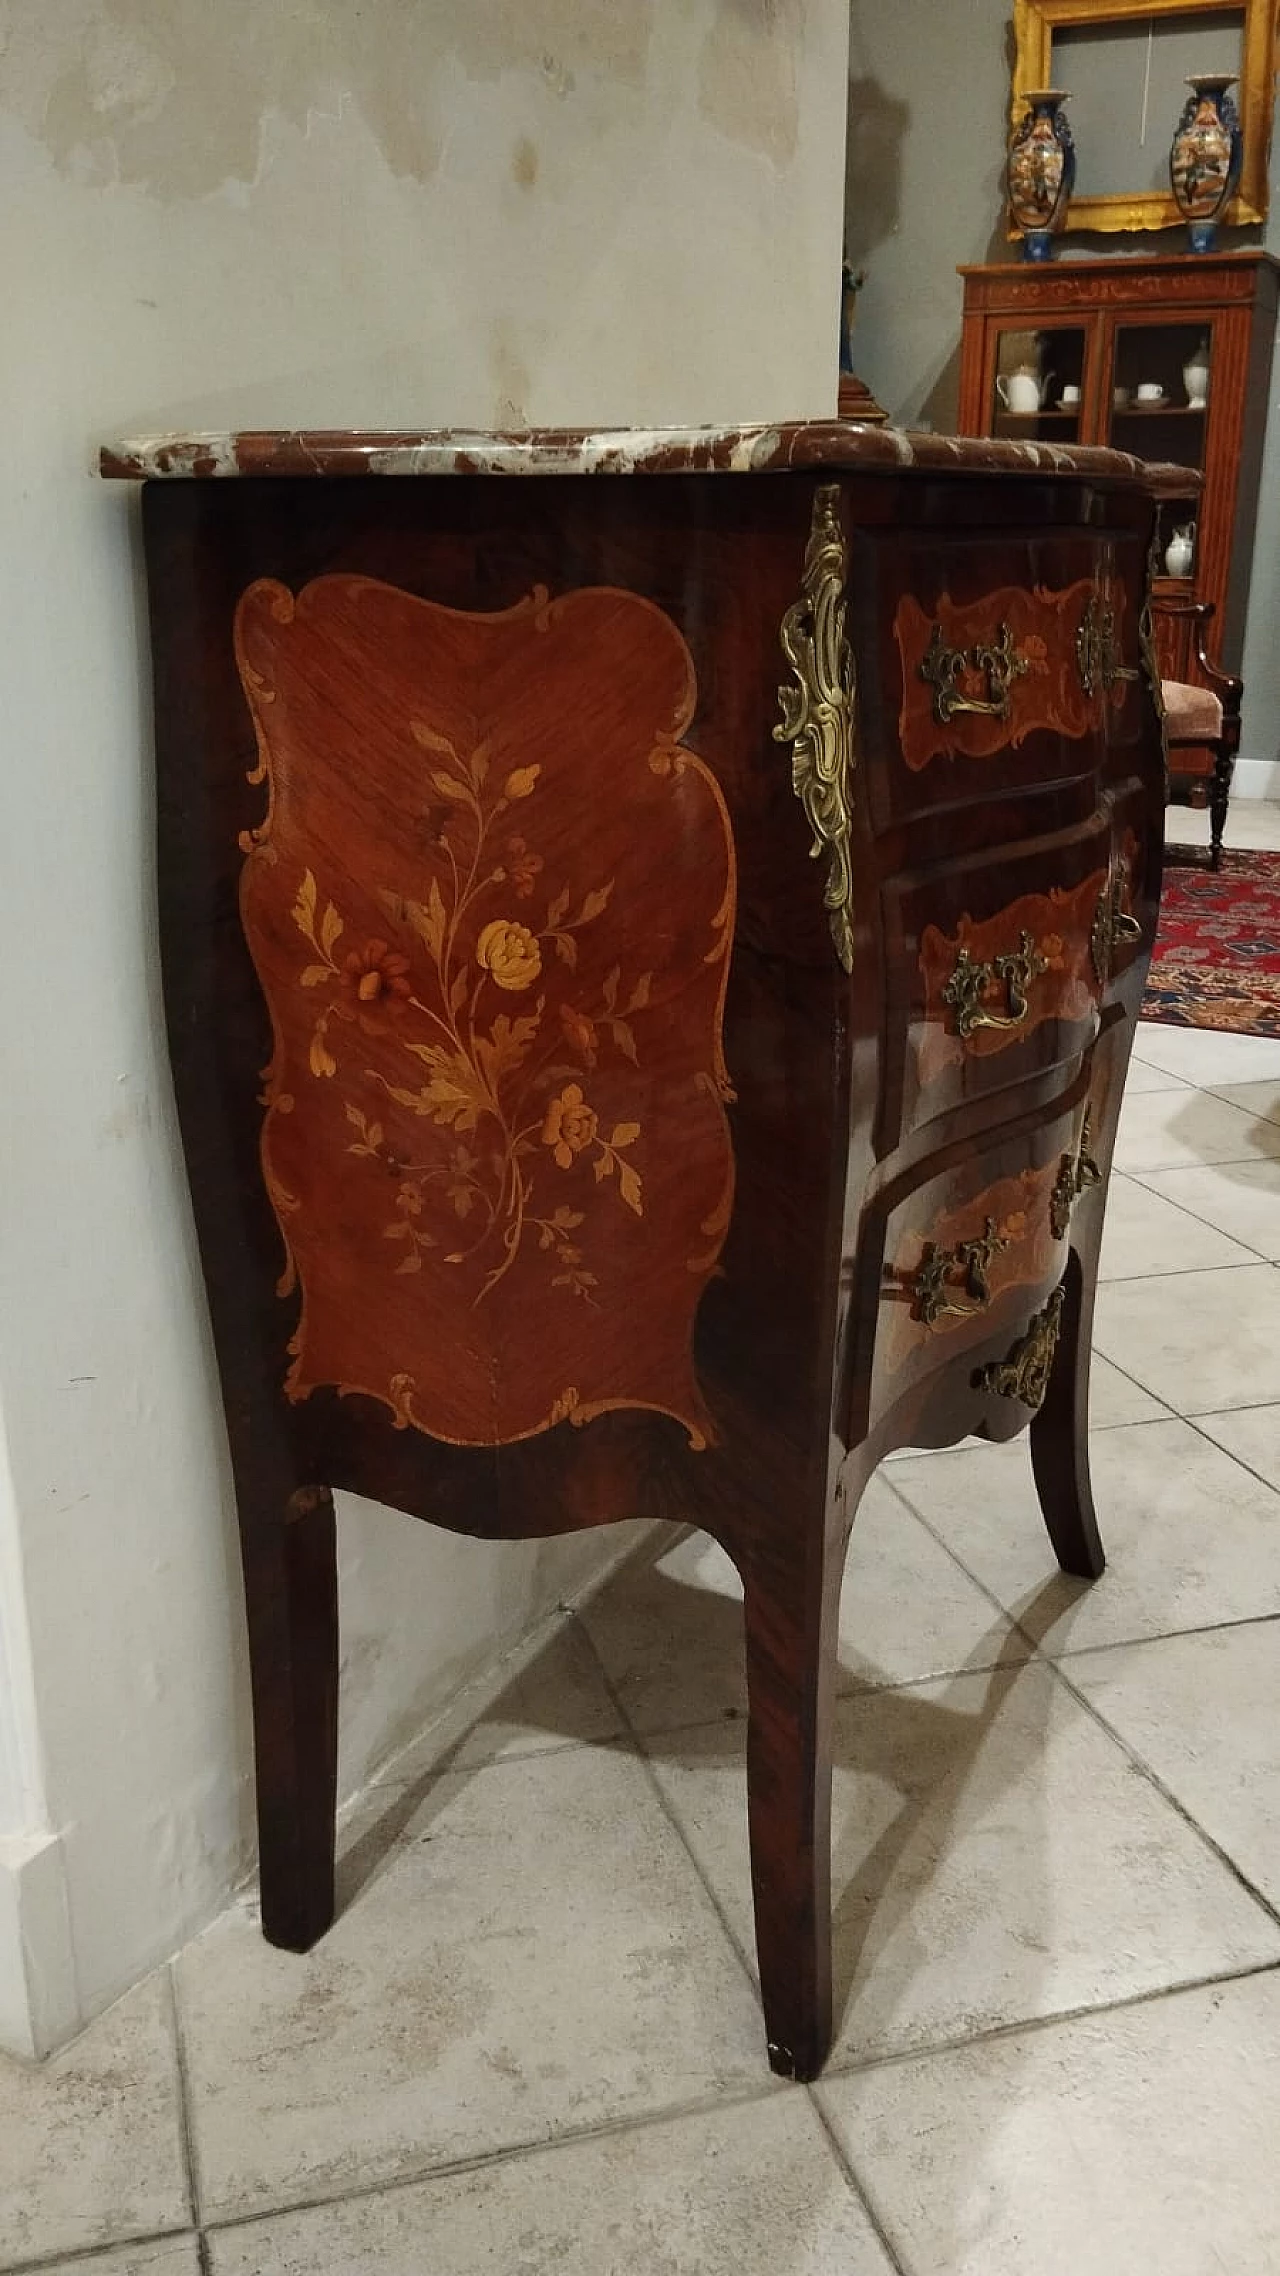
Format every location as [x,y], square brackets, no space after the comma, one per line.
[531,2043]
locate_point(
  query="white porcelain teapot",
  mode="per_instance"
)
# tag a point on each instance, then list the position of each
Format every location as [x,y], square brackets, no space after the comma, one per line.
[1023,390]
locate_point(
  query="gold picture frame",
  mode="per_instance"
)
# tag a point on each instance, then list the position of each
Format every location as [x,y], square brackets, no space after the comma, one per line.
[1034,23]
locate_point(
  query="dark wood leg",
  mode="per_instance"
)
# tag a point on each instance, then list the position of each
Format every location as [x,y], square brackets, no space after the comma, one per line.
[1219,797]
[291,1595]
[1060,1431]
[791,1621]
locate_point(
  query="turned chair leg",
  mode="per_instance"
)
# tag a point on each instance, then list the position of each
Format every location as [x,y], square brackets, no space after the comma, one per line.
[1219,798]
[291,1595]
[1060,1437]
[791,1627]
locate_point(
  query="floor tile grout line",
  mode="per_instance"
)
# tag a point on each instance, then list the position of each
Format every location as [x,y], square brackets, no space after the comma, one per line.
[1189,1271]
[1246,1407]
[1219,1091]
[673,1820]
[1139,1179]
[91,2256]
[449,2169]
[1195,1421]
[186,2113]
[857,2186]
[929,2050]
[1037,1652]
[395,1782]
[1163,1636]
[1153,1778]
[1037,1648]
[1252,1257]
[1138,1761]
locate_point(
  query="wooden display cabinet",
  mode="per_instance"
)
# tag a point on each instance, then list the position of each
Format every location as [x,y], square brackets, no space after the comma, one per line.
[1106,328]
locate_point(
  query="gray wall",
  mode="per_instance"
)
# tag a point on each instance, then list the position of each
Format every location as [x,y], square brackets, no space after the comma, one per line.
[928,117]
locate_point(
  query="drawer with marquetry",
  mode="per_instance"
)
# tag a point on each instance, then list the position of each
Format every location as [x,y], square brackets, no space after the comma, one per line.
[995,968]
[1013,689]
[965,1257]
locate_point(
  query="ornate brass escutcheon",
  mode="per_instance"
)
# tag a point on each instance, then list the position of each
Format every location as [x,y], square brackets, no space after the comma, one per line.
[819,712]
[1098,648]
[944,668]
[971,981]
[1079,1171]
[1025,1373]
[1111,923]
[969,1262]
[1147,635]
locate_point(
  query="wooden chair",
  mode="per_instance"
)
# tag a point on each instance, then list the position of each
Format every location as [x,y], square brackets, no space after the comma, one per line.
[1201,728]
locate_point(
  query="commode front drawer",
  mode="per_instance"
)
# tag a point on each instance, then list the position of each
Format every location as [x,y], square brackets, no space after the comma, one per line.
[994,967]
[967,1256]
[996,686]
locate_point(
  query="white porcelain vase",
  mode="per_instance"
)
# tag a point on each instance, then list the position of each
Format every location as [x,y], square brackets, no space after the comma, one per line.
[1195,377]
[1180,551]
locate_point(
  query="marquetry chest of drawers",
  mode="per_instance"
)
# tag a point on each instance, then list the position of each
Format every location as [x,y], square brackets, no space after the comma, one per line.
[651,951]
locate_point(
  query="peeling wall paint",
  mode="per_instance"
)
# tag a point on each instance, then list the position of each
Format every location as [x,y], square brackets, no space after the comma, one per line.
[285,213]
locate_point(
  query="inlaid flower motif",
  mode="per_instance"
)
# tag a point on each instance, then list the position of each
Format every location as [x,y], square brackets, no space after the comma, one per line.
[509,953]
[580,1032]
[376,974]
[570,1125]
[522,867]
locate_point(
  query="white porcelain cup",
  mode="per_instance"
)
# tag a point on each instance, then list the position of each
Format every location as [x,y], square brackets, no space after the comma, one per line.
[1150,391]
[1070,397]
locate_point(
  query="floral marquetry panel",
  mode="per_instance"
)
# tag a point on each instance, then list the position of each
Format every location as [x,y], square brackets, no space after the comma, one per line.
[490,905]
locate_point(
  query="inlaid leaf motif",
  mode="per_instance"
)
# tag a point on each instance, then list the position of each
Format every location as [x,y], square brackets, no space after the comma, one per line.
[507,1044]
[629,1187]
[428,738]
[595,904]
[456,1095]
[429,920]
[330,929]
[448,786]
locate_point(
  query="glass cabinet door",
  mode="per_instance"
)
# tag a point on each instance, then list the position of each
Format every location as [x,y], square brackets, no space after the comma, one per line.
[1037,384]
[1161,379]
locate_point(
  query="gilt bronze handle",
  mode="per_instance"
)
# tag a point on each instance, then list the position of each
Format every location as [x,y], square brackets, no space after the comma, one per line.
[1077,1173]
[1098,648]
[970,982]
[943,668]
[1111,924]
[1025,1373]
[970,1261]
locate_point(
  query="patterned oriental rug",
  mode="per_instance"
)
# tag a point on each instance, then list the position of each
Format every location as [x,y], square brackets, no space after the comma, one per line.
[1217,953]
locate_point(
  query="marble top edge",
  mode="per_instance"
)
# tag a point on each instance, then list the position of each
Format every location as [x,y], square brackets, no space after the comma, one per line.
[760,449]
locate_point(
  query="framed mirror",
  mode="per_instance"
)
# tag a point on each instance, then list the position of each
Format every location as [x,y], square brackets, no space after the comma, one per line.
[1126,63]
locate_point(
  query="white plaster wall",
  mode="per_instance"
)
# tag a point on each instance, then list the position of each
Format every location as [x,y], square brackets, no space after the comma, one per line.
[275,212]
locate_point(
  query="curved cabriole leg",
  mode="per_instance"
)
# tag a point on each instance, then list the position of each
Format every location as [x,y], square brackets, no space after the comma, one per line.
[291,1596]
[792,1614]
[1060,1432]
